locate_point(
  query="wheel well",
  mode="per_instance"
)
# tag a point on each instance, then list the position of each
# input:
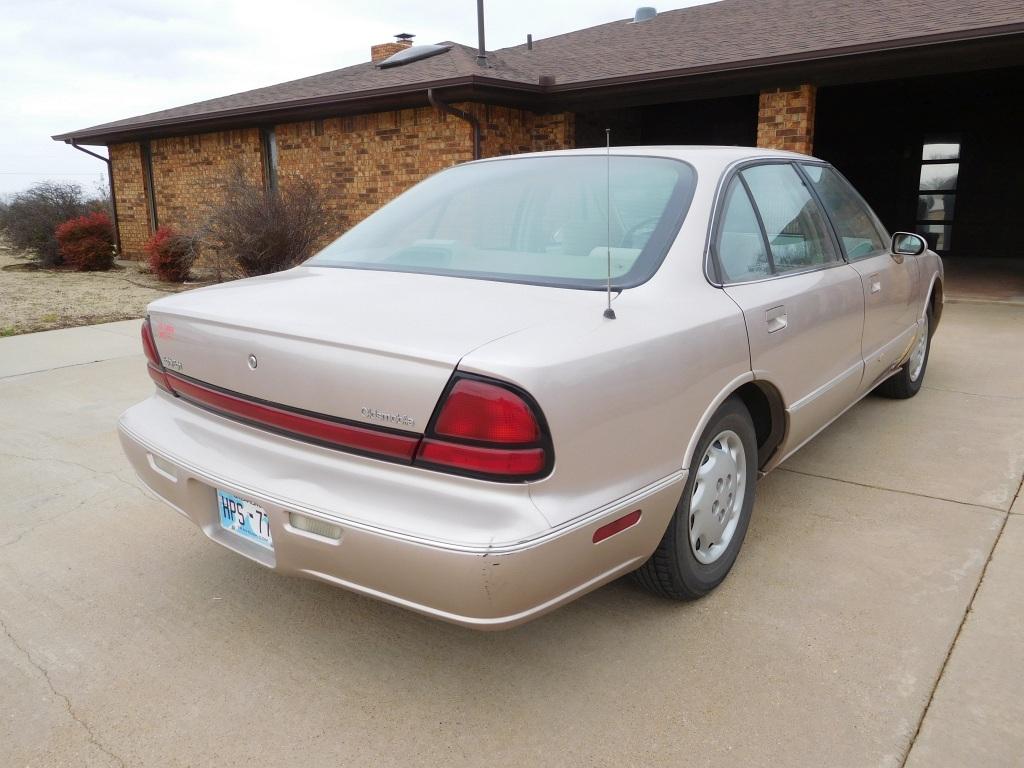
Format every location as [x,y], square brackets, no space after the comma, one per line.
[764,403]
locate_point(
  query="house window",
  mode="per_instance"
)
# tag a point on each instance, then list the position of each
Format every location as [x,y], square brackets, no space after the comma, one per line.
[147,178]
[269,140]
[936,191]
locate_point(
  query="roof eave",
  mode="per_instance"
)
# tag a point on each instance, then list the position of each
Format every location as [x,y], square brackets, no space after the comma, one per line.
[826,66]
[467,87]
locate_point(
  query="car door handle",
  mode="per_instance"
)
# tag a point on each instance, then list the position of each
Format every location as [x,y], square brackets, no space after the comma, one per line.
[876,283]
[776,318]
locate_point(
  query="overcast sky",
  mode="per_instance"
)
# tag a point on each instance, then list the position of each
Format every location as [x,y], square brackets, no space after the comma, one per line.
[68,64]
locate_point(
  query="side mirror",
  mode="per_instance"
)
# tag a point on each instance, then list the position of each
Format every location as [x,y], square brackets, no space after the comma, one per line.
[908,244]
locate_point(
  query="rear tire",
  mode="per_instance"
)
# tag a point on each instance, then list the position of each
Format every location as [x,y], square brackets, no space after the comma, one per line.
[906,382]
[706,532]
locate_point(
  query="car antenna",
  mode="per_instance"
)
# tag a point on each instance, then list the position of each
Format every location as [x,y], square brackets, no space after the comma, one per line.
[608,312]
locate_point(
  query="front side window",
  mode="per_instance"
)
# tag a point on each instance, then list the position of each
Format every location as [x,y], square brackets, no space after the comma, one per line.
[740,245]
[794,225]
[856,225]
[542,220]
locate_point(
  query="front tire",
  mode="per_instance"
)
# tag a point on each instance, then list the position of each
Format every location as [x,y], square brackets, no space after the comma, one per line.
[706,532]
[907,382]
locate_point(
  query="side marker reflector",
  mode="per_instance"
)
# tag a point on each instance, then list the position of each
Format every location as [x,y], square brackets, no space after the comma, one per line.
[617,526]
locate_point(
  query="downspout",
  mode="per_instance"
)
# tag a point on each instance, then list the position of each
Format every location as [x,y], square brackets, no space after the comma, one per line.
[448,109]
[113,197]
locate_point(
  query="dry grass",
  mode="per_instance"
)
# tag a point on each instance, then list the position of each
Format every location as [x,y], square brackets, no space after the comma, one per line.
[41,299]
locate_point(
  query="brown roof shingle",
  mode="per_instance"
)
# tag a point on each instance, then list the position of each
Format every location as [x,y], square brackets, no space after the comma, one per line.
[725,34]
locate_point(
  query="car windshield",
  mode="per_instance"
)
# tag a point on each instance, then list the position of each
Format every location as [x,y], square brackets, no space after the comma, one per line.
[541,220]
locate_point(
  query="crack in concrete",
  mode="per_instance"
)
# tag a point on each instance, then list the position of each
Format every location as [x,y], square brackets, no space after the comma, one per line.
[90,734]
[112,473]
[895,490]
[69,365]
[94,472]
[48,520]
[959,629]
[973,394]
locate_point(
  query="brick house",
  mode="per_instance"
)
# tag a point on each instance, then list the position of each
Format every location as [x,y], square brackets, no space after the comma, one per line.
[918,103]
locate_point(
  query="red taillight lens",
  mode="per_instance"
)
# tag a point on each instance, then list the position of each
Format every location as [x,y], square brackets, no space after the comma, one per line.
[476,410]
[153,364]
[486,461]
[489,430]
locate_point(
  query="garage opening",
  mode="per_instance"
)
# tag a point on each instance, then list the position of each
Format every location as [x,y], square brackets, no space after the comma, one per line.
[940,156]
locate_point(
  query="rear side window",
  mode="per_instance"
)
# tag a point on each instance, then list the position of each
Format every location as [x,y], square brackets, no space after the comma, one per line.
[857,227]
[796,228]
[741,248]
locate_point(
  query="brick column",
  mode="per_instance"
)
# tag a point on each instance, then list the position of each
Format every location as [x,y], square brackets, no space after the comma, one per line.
[130,191]
[785,119]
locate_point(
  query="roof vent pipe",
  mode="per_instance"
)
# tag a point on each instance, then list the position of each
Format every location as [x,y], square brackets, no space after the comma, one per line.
[481,54]
[644,13]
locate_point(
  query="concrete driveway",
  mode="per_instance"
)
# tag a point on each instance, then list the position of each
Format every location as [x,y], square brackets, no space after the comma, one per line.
[873,618]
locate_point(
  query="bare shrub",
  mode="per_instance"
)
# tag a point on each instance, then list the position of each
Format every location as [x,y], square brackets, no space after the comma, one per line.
[30,218]
[263,231]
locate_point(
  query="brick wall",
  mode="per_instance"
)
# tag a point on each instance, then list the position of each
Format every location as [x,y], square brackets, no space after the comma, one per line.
[360,162]
[785,119]
[189,172]
[505,131]
[130,194]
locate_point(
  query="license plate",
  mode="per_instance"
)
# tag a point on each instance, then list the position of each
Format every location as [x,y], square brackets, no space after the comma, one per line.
[244,518]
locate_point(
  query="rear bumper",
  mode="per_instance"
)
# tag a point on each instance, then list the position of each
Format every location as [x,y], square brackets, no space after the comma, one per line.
[466,551]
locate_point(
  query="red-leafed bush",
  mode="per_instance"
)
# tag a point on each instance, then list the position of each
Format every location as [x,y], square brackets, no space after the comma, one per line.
[87,242]
[171,254]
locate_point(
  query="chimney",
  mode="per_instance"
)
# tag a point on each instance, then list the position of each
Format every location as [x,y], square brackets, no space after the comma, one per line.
[384,50]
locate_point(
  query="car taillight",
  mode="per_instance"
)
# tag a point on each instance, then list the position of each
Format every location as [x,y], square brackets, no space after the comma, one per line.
[153,364]
[487,429]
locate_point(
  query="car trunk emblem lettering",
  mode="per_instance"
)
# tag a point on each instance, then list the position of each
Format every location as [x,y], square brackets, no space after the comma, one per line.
[395,418]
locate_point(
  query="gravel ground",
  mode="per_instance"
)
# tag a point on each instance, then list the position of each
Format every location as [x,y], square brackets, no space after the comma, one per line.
[42,299]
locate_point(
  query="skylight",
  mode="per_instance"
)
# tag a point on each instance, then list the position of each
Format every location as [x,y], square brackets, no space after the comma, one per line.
[415,53]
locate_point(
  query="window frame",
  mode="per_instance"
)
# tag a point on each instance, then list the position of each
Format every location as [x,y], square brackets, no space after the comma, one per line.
[876,222]
[713,271]
[949,222]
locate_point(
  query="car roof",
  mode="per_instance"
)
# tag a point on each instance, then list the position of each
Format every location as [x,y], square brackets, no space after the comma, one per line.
[697,153]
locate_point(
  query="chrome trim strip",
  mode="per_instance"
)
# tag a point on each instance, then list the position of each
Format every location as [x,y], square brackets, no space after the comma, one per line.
[831,384]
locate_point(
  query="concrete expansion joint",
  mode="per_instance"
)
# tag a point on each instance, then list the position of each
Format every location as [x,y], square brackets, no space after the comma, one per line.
[72,713]
[975,505]
[959,630]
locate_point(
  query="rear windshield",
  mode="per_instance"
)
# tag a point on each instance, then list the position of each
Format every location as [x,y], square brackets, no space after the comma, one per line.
[542,220]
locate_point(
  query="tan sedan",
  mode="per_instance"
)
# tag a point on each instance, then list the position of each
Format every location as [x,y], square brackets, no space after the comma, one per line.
[528,376]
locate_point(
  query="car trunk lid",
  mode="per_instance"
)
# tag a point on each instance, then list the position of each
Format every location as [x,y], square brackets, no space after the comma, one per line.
[367,346]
